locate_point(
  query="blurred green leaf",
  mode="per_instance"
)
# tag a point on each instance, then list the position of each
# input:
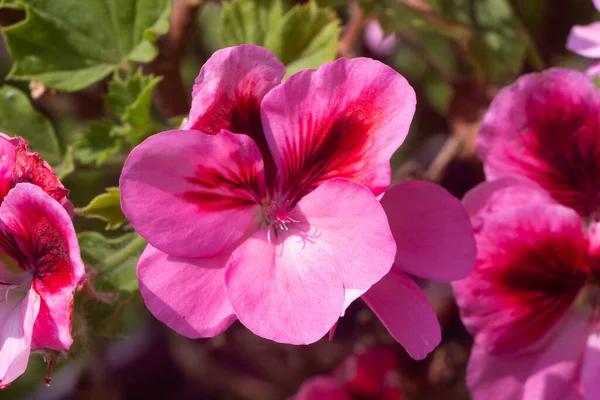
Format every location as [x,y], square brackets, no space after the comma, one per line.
[130,100]
[67,165]
[70,44]
[499,47]
[304,36]
[106,207]
[18,118]
[114,260]
[97,145]
[395,16]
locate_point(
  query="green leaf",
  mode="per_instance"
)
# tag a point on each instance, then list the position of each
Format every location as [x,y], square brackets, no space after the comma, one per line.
[106,207]
[304,36]
[130,100]
[70,44]
[499,47]
[114,260]
[18,118]
[97,145]
[397,17]
[67,165]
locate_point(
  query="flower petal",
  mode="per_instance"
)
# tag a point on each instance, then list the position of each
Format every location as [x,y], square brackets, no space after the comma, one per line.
[192,195]
[29,167]
[229,89]
[549,373]
[585,40]
[544,128]
[17,316]
[343,120]
[288,286]
[45,235]
[591,366]
[431,229]
[348,222]
[7,165]
[187,295]
[531,263]
[321,388]
[406,313]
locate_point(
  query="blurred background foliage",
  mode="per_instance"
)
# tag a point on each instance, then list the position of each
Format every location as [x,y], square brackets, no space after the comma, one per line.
[86,81]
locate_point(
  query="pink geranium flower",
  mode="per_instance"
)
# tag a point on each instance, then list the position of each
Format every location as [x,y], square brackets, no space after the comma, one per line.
[372,374]
[264,207]
[585,41]
[377,42]
[532,299]
[546,128]
[40,265]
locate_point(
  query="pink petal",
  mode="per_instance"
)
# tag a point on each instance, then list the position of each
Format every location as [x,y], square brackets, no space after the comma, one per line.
[45,235]
[585,40]
[29,167]
[350,224]
[7,165]
[594,70]
[343,120]
[229,89]
[376,41]
[549,373]
[192,195]
[406,313]
[544,128]
[187,295]
[431,229]
[591,366]
[321,388]
[596,4]
[488,198]
[531,263]
[17,316]
[288,286]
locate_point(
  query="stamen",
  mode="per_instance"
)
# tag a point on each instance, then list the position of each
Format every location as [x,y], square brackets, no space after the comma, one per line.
[279,218]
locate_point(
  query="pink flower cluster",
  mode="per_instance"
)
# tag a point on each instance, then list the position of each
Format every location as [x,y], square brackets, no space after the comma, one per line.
[372,374]
[532,301]
[265,207]
[40,265]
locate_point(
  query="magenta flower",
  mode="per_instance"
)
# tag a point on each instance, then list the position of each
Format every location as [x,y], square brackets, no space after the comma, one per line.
[532,299]
[376,41]
[585,41]
[545,127]
[264,208]
[372,374]
[40,265]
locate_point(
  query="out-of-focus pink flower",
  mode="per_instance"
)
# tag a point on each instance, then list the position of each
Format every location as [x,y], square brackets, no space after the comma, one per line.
[532,300]
[546,128]
[376,41]
[40,267]
[265,207]
[372,374]
[585,41]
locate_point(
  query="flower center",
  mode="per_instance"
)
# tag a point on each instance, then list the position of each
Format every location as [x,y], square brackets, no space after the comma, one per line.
[279,218]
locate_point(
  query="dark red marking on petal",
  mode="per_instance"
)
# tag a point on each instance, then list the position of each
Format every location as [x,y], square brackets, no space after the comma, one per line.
[220,189]
[329,148]
[29,167]
[43,244]
[534,280]
[240,115]
[563,132]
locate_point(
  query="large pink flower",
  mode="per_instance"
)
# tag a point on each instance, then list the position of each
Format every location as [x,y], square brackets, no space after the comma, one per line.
[585,41]
[40,267]
[546,128]
[264,208]
[532,300]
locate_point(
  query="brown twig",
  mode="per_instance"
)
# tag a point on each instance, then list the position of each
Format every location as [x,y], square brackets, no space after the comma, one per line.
[350,39]
[172,98]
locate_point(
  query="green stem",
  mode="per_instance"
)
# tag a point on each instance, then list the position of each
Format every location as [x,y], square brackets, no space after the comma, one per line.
[119,257]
